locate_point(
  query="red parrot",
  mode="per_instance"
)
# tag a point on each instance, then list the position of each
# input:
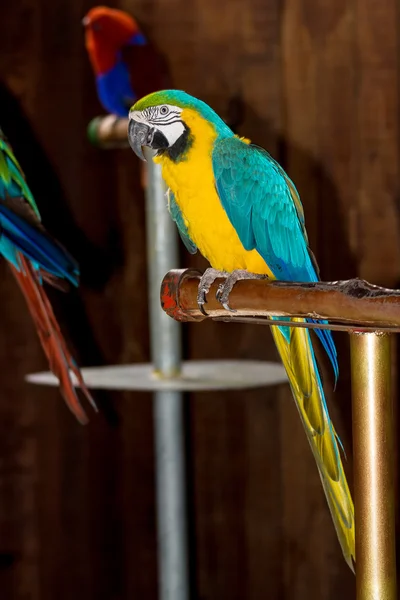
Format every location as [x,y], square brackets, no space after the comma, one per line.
[125,64]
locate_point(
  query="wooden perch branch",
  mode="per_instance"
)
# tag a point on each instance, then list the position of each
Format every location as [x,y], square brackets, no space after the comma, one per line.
[351,304]
[109,132]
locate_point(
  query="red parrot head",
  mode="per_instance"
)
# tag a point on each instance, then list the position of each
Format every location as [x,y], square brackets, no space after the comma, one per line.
[107,30]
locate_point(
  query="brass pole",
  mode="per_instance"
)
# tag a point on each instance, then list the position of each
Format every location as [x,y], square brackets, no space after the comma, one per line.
[373,466]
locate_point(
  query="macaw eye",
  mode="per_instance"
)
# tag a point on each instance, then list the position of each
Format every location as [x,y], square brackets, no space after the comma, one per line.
[164,110]
[96,26]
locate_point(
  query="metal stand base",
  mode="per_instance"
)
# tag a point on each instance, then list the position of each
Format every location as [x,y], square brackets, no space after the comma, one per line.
[201,375]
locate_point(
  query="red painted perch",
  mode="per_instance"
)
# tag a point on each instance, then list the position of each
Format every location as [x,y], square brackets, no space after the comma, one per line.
[347,305]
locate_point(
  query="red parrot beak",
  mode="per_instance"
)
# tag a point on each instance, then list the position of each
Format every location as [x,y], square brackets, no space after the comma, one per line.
[86,21]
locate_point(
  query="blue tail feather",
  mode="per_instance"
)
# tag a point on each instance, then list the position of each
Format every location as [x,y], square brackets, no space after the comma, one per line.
[38,246]
[325,337]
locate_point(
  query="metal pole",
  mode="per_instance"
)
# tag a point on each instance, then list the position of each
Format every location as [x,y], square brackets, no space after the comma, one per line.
[162,255]
[373,466]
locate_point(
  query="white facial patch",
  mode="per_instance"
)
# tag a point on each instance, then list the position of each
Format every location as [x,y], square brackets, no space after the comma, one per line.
[165,118]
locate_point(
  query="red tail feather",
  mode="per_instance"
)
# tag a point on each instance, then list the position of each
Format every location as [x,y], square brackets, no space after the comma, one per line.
[51,338]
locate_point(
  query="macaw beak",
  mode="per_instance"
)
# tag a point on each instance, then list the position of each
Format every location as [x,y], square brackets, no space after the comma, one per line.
[85,21]
[140,134]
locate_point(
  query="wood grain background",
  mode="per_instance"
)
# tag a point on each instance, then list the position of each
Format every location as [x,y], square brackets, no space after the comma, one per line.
[319,85]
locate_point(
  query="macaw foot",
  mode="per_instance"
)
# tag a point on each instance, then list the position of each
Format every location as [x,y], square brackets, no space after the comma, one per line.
[225,288]
[206,281]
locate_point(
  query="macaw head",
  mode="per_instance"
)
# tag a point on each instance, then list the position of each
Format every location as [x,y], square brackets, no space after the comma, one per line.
[170,121]
[107,30]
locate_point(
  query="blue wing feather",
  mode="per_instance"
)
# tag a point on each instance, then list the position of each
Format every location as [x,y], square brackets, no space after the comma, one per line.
[115,90]
[37,245]
[20,226]
[264,207]
[177,216]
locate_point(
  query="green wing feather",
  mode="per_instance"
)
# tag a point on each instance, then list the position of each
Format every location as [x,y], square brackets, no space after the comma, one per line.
[264,207]
[177,216]
[12,179]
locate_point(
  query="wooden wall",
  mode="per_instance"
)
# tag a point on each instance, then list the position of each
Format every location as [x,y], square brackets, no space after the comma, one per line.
[319,84]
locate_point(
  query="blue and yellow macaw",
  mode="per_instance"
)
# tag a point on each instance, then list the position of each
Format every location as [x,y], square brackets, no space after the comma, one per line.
[34,256]
[235,204]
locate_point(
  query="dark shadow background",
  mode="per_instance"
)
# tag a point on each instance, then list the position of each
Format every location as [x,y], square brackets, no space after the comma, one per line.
[318,87]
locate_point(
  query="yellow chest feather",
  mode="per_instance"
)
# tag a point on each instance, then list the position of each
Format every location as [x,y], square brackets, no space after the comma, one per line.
[192,182]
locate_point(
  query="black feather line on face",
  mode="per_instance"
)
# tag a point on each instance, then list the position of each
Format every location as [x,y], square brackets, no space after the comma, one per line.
[178,150]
